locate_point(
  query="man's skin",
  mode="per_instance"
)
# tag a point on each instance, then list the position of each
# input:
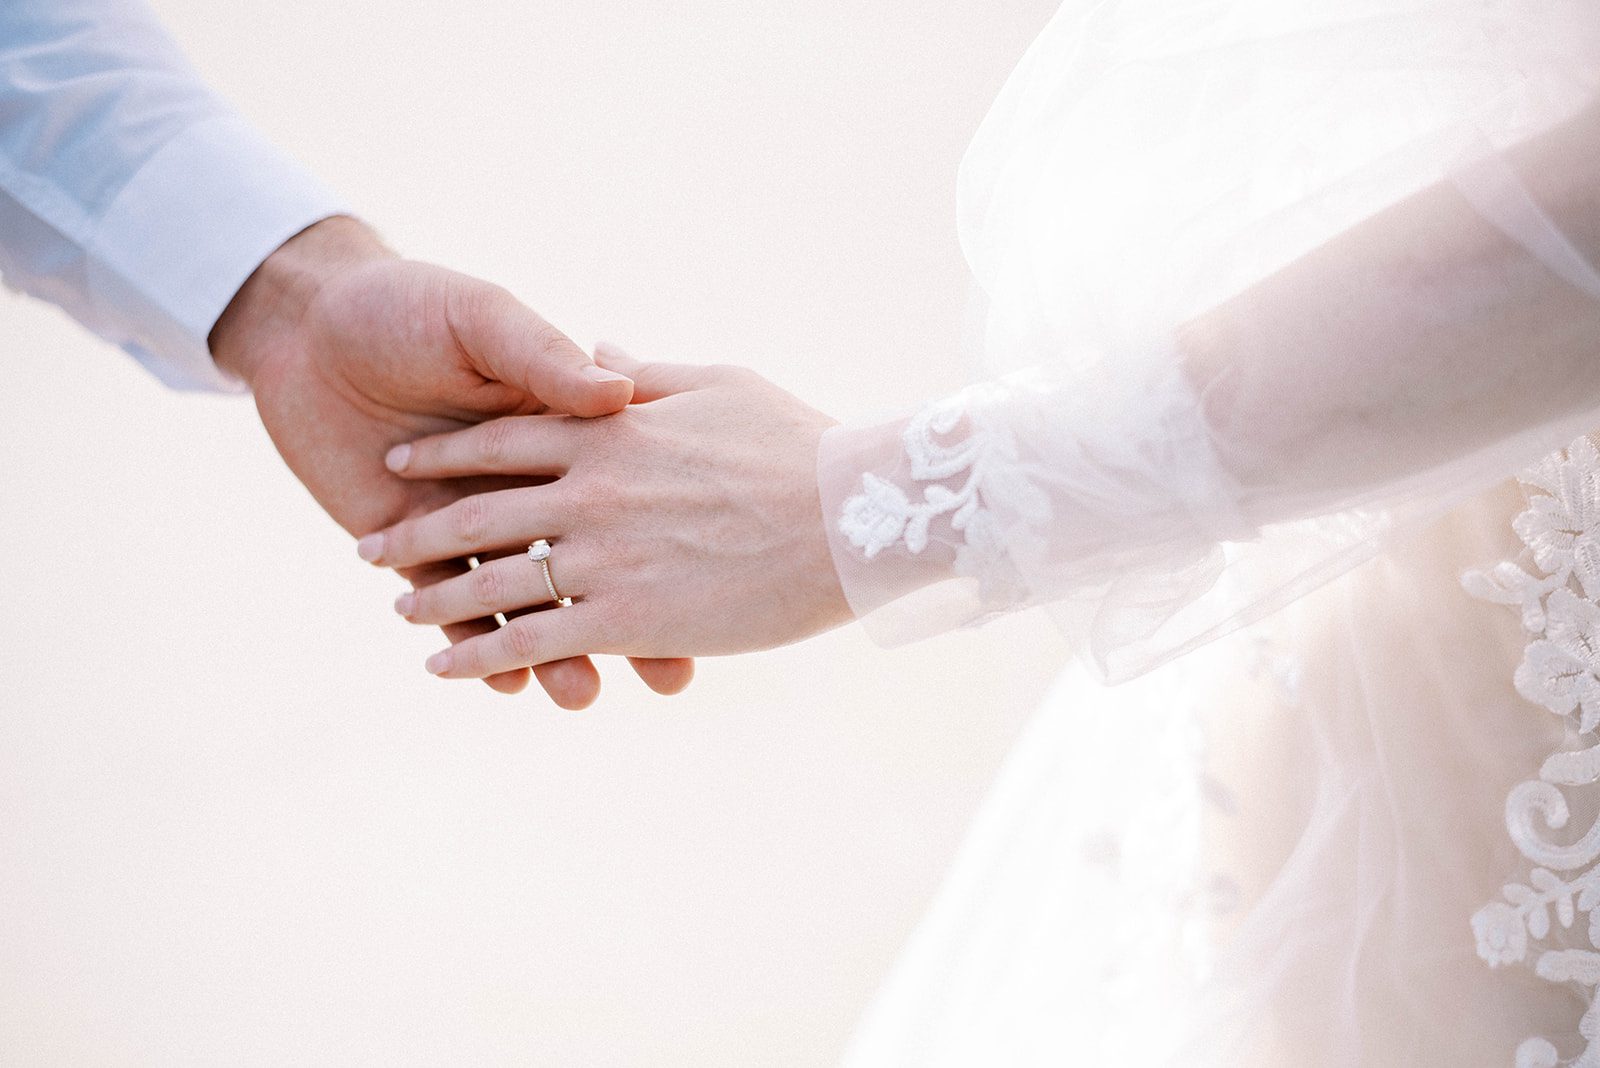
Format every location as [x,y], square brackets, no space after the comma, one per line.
[350,350]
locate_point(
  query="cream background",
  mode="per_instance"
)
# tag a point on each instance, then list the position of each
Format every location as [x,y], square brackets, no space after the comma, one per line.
[239,824]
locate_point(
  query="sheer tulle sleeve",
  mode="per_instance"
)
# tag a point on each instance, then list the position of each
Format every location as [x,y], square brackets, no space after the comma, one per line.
[1263,282]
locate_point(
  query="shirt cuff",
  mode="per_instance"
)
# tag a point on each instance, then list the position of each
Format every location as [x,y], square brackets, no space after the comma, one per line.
[185,233]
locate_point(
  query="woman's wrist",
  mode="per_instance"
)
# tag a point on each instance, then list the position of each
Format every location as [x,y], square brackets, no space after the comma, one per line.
[866,487]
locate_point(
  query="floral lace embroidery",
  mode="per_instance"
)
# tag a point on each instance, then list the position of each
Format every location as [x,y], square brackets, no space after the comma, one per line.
[1560,670]
[882,515]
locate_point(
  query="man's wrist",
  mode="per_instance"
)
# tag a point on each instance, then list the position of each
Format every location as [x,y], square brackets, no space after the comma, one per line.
[272,303]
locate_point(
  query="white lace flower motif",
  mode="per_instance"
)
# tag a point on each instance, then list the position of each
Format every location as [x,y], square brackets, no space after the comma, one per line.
[1562,526]
[1561,671]
[1502,937]
[875,518]
[956,465]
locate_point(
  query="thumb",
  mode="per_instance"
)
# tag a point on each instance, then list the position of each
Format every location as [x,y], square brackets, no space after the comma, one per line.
[509,342]
[651,381]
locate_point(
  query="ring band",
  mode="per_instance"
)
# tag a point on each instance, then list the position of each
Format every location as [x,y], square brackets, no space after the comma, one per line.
[539,553]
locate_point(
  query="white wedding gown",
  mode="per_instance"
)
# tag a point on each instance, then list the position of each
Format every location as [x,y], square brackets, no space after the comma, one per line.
[1341,806]
[1272,851]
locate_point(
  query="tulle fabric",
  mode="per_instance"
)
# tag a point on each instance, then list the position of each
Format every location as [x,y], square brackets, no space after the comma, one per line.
[1147,161]
[1263,854]
[1272,843]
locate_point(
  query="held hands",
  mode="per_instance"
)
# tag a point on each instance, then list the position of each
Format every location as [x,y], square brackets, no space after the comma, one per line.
[687,524]
[350,349]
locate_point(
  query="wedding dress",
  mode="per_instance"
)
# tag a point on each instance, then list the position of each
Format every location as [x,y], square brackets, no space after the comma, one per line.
[1292,345]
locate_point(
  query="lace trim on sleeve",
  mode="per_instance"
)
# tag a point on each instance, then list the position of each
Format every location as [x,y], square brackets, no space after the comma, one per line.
[956,464]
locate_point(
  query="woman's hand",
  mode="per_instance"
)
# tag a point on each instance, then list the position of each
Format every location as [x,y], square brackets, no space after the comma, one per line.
[349,349]
[688,524]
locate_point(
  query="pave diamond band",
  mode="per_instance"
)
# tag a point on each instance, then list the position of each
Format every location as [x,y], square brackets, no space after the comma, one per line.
[539,553]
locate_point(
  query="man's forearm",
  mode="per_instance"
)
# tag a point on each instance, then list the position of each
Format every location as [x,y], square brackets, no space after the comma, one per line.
[140,206]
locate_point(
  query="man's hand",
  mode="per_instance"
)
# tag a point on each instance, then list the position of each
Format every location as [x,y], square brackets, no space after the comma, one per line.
[350,349]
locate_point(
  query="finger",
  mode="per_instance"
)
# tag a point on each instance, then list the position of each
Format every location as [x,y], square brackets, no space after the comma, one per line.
[509,342]
[573,684]
[527,641]
[509,682]
[480,523]
[521,445]
[504,585]
[651,381]
[664,676]
[611,355]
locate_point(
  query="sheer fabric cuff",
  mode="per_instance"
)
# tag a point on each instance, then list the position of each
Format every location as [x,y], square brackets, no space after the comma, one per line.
[1026,490]
[899,516]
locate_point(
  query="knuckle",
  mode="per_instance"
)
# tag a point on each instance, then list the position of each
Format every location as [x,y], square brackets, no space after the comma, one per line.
[494,443]
[522,640]
[469,520]
[549,344]
[488,586]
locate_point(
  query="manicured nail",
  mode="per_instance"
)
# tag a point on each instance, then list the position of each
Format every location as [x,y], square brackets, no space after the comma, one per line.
[398,459]
[596,373]
[405,603]
[438,663]
[370,548]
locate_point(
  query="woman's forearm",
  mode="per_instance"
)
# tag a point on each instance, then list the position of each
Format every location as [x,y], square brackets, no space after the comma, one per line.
[1421,334]
[1350,377]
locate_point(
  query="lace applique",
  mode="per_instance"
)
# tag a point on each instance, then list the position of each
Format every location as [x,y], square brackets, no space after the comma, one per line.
[883,515]
[1560,670]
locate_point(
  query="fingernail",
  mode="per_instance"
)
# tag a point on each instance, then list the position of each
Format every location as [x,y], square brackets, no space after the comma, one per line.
[370,548]
[399,457]
[405,603]
[438,663]
[596,373]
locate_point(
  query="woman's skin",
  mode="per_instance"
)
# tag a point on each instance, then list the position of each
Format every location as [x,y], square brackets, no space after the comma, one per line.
[349,348]
[1420,334]
[663,535]
[691,524]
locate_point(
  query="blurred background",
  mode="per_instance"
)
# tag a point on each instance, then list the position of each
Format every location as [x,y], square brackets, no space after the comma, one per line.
[238,822]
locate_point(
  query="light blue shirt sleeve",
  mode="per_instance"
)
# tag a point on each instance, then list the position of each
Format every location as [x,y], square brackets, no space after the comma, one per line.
[130,194]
